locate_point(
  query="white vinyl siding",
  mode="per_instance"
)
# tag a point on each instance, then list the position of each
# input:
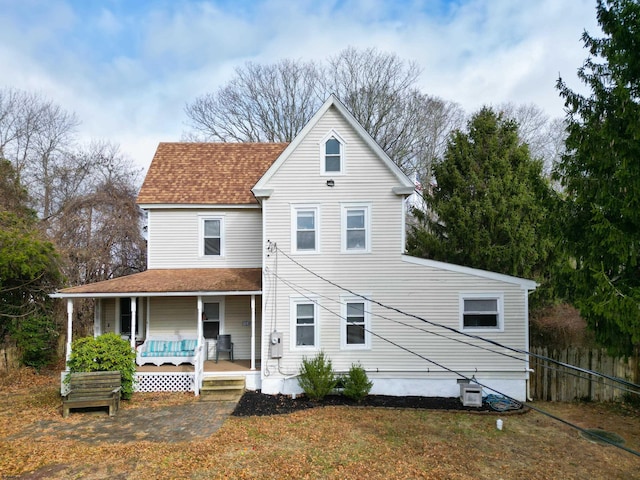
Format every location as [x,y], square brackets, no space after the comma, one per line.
[424,291]
[176,238]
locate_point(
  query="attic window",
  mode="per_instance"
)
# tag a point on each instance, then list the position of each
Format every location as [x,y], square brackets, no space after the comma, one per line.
[332,156]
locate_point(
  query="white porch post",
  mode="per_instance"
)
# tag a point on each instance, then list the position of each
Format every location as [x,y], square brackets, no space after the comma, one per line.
[200,312]
[253,332]
[148,321]
[97,318]
[200,349]
[69,326]
[132,340]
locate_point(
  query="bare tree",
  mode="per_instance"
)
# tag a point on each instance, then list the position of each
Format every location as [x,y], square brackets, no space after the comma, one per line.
[263,103]
[36,136]
[84,196]
[274,102]
[98,226]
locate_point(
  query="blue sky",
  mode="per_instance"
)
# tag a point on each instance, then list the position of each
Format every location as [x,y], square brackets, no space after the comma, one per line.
[127,68]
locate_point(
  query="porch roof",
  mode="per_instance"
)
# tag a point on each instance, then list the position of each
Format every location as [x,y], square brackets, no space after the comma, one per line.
[173,282]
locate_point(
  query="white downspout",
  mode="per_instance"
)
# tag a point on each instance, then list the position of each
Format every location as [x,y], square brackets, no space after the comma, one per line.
[527,346]
[69,327]
[253,332]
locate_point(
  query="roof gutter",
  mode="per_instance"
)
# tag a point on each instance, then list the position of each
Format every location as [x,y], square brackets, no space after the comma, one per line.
[153,294]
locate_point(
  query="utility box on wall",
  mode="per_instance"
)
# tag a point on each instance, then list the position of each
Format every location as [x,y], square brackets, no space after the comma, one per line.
[275,345]
[471,395]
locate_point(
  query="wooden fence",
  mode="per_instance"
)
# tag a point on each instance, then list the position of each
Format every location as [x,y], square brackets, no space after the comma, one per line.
[555,383]
[9,359]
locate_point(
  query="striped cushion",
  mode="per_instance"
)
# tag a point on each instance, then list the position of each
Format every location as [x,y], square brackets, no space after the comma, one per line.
[174,346]
[189,345]
[183,353]
[157,346]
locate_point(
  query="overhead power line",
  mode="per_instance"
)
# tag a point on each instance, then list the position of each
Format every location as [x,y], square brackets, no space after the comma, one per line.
[626,383]
[298,287]
[472,379]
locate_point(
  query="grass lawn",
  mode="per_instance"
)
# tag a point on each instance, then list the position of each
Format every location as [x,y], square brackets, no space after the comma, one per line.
[329,442]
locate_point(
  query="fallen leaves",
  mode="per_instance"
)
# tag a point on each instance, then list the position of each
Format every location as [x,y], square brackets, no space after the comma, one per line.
[330,442]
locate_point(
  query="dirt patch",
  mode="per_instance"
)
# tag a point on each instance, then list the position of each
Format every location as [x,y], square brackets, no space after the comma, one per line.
[259,404]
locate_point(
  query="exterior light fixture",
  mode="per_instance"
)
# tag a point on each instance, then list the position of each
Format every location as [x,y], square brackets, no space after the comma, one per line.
[330,183]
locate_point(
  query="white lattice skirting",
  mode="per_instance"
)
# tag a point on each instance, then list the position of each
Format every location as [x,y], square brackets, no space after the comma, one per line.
[164,382]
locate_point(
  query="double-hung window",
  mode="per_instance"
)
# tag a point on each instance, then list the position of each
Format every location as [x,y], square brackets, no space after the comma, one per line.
[304,234]
[332,156]
[481,312]
[356,324]
[305,321]
[212,237]
[356,229]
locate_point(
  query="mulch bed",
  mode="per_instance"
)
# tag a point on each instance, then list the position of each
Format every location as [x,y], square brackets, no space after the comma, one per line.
[258,404]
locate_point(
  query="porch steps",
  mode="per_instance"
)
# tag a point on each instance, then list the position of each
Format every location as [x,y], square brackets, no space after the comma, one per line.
[222,389]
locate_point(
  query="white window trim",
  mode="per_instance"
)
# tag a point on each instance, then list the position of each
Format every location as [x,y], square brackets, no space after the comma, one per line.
[202,219]
[482,296]
[294,301]
[345,207]
[343,150]
[220,301]
[294,227]
[343,323]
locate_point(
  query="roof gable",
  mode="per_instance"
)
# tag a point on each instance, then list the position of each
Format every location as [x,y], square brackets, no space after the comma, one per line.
[207,173]
[405,185]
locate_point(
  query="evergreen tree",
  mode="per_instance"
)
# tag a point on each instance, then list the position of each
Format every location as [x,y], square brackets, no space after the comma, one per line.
[488,207]
[601,176]
[28,273]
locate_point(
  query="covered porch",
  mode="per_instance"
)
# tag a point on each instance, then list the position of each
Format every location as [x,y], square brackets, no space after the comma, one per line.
[180,305]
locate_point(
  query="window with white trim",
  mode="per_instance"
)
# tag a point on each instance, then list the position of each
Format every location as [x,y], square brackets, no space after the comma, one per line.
[212,237]
[332,156]
[332,150]
[356,229]
[304,232]
[481,312]
[356,324]
[304,314]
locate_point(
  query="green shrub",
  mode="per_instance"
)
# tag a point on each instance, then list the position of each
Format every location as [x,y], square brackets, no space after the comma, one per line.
[106,353]
[356,384]
[36,338]
[317,377]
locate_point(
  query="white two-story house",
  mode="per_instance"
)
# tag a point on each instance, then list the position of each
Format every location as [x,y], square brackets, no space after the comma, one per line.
[293,249]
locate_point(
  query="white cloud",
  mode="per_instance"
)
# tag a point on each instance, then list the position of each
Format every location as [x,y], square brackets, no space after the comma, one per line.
[129,73]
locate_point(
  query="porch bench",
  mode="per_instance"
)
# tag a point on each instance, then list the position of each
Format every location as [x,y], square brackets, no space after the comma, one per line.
[93,389]
[174,350]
